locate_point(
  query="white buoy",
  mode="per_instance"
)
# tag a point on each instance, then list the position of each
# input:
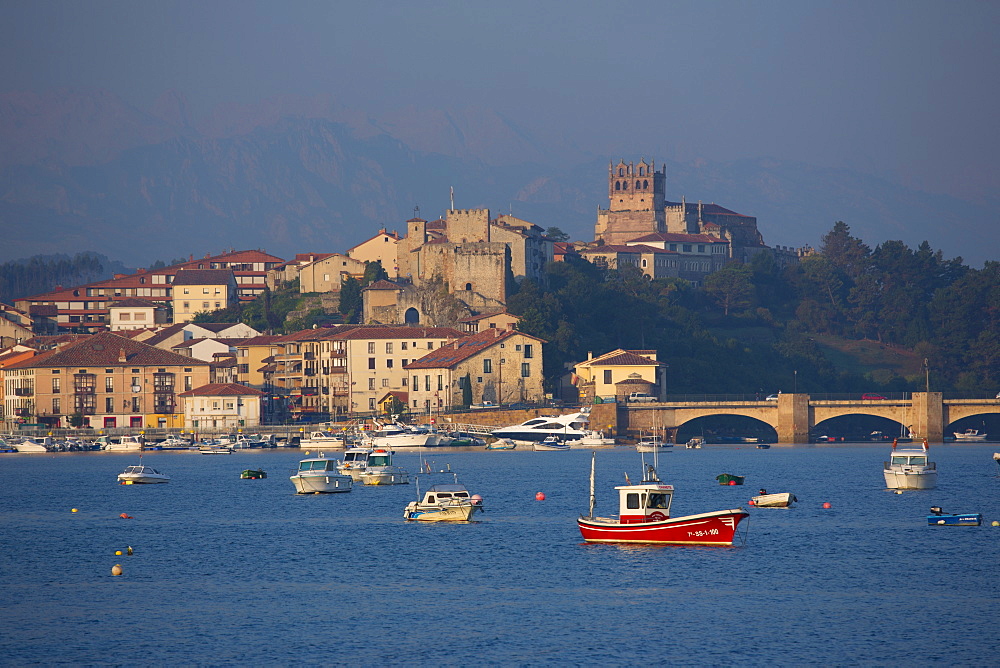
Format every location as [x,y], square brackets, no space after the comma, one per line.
[116,569]
[995,523]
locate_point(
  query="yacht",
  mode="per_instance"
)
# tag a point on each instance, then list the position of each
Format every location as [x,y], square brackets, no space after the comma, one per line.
[379,470]
[395,435]
[121,443]
[321,440]
[139,474]
[569,427]
[29,444]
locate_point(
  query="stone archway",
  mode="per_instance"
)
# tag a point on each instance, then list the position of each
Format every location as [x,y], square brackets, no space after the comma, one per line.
[411,316]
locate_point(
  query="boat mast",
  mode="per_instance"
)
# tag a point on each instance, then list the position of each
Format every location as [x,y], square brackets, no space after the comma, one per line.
[593,458]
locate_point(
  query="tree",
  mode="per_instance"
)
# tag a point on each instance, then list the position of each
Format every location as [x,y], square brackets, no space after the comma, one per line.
[373,272]
[466,391]
[731,287]
[556,234]
[845,252]
[351,303]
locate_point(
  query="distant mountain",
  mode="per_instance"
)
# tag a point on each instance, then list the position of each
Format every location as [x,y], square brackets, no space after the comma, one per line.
[88,172]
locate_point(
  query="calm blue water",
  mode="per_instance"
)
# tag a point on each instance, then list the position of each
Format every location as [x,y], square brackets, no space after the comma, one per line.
[229,571]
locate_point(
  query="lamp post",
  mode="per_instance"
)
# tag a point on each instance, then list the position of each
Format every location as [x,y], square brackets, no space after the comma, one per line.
[795,382]
[500,385]
[927,376]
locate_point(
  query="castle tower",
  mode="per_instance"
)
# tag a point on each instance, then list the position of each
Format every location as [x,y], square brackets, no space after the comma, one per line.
[635,202]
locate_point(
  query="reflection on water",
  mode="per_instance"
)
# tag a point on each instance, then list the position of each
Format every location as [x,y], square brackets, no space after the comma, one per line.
[232,571]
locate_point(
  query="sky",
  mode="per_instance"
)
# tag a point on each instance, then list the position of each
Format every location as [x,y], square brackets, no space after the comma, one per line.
[902,90]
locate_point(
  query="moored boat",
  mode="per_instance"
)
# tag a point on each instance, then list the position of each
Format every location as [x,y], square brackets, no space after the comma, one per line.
[969,435]
[644,517]
[730,479]
[253,474]
[379,470]
[940,518]
[593,439]
[121,443]
[996,458]
[444,503]
[323,440]
[354,462]
[909,468]
[34,445]
[501,444]
[550,444]
[139,474]
[318,475]
[653,443]
[695,443]
[779,500]
[569,427]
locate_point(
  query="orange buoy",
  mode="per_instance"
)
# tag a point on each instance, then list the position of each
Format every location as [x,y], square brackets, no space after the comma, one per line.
[751,503]
[540,496]
[125,516]
[827,505]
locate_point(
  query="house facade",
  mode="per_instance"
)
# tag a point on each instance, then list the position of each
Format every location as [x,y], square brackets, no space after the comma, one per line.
[616,374]
[201,290]
[221,406]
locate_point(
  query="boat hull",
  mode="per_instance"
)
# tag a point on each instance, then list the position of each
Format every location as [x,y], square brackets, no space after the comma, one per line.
[917,479]
[324,483]
[141,479]
[549,447]
[782,500]
[384,477]
[453,513]
[715,528]
[955,520]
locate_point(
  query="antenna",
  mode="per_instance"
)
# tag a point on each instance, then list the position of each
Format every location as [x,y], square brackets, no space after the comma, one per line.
[416,211]
[452,198]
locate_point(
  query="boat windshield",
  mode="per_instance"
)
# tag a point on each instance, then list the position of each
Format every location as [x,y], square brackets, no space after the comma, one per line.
[378,460]
[899,459]
[316,465]
[918,461]
[658,501]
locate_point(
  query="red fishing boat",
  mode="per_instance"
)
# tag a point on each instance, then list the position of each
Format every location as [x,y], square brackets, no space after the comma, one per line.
[644,517]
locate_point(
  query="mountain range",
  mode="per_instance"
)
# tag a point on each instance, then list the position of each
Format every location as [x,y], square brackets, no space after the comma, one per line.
[85,171]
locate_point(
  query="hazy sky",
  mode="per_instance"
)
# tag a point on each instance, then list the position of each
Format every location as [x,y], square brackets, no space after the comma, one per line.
[907,90]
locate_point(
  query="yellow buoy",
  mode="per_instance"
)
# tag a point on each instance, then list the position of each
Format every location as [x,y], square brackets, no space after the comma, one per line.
[73,511]
[996,524]
[116,569]
[118,553]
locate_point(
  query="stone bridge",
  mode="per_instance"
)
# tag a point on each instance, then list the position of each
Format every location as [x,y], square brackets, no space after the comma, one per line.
[793,416]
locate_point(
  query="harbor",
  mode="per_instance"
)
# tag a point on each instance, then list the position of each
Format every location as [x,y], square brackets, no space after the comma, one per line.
[228,570]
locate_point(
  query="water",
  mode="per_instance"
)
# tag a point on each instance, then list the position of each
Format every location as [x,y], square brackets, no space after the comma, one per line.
[229,571]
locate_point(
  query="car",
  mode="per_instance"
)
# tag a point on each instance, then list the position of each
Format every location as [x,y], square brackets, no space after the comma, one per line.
[869,396]
[771,397]
[641,397]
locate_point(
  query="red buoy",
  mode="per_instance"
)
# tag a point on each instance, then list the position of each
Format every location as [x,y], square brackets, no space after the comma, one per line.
[827,504]
[751,503]
[732,482]
[540,496]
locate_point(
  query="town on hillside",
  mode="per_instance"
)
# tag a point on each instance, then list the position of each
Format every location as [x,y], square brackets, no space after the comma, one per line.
[434,333]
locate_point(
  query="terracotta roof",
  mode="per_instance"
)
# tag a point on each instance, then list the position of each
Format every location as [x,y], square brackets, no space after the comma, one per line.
[620,358]
[214,326]
[222,390]
[165,334]
[618,248]
[260,340]
[43,309]
[203,277]
[482,316]
[454,352]
[132,302]
[107,349]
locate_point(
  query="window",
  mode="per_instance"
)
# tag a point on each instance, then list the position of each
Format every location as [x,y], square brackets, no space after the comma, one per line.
[385,382]
[109,405]
[109,384]
[136,404]
[204,305]
[204,291]
[525,370]
[529,351]
[388,348]
[430,345]
[701,248]
[56,406]
[416,383]
[229,405]
[440,382]
[371,362]
[607,376]
[405,379]
[487,366]
[56,386]
[427,383]
[371,347]
[371,383]
[687,248]
[403,345]
[632,501]
[187,383]
[388,364]
[125,316]
[479,379]
[187,306]
[218,304]
[215,405]
[186,291]
[371,404]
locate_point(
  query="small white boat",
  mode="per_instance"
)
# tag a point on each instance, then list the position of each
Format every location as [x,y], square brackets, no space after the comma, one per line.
[380,470]
[695,443]
[592,439]
[908,468]
[996,458]
[969,435]
[653,444]
[318,475]
[121,443]
[354,462]
[321,440]
[780,500]
[33,445]
[139,475]
[444,503]
[501,444]
[214,448]
[551,444]
[175,442]
[395,436]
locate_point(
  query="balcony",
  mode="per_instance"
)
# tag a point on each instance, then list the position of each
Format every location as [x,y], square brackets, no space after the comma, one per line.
[309,356]
[23,392]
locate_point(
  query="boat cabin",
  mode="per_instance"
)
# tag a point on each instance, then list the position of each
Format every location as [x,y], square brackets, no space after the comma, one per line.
[318,464]
[446,494]
[647,502]
[380,457]
[907,459]
[140,470]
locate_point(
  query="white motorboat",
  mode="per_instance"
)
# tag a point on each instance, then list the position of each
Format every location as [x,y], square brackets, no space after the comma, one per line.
[318,475]
[569,427]
[120,443]
[653,444]
[695,443]
[324,440]
[780,500]
[501,444]
[354,463]
[444,503]
[141,475]
[395,436]
[35,445]
[550,444]
[380,470]
[592,439]
[175,442]
[969,435]
[908,468]
[214,447]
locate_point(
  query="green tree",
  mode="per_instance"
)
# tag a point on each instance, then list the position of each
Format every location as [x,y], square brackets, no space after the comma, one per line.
[556,234]
[351,303]
[373,272]
[731,287]
[466,391]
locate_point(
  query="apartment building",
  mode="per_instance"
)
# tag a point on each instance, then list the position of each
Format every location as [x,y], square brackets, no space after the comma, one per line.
[221,406]
[107,380]
[499,366]
[201,290]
